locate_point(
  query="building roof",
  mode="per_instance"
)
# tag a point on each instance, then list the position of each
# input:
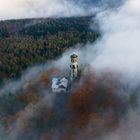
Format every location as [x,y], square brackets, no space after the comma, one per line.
[59,83]
[55,83]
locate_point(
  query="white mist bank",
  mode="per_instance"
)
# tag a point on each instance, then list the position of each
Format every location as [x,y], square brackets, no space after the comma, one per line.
[118,48]
[17,9]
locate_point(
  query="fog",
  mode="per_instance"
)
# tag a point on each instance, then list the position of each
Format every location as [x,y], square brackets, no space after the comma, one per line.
[118,48]
[117,51]
[19,9]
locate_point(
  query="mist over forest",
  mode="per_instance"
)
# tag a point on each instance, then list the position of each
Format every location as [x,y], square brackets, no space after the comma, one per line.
[37,39]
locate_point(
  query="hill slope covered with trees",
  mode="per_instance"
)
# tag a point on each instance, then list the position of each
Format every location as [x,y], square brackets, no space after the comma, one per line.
[29,41]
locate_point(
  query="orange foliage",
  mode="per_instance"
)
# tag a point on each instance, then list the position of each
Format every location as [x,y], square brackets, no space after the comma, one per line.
[80,102]
[28,97]
[95,95]
[47,115]
[46,77]
[68,136]
[94,119]
[92,106]
[6,120]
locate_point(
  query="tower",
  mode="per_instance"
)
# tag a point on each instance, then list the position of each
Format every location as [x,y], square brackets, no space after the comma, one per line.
[74,66]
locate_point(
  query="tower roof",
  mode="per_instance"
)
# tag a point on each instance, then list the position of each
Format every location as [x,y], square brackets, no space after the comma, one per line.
[74,56]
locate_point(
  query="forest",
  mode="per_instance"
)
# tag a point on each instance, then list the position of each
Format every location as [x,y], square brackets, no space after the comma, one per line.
[24,43]
[29,110]
[92,106]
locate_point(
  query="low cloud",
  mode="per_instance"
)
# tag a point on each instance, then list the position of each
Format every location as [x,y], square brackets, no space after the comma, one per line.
[10,9]
[17,9]
[118,51]
[118,48]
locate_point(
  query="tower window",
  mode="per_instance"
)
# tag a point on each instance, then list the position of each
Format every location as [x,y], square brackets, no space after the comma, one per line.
[73,66]
[73,61]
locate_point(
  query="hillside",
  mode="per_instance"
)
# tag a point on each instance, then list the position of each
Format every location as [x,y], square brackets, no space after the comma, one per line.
[91,107]
[29,41]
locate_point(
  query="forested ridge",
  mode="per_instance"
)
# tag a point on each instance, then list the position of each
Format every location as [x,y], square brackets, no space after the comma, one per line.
[29,41]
